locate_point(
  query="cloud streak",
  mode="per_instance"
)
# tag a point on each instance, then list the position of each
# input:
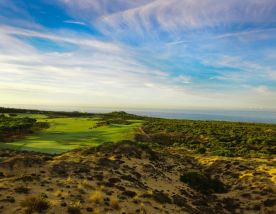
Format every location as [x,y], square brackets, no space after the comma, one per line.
[74,22]
[171,16]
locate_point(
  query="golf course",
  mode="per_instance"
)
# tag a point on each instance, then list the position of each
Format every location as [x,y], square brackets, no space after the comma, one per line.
[67,133]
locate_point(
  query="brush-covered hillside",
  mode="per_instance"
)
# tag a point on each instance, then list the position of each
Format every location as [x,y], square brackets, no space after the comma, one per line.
[60,162]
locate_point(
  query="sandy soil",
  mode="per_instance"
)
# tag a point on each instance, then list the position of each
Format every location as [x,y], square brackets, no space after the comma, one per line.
[128,178]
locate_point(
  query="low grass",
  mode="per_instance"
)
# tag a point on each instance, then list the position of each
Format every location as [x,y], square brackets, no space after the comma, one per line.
[66,134]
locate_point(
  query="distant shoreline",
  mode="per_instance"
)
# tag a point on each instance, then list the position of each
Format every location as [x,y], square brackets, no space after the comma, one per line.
[256,116]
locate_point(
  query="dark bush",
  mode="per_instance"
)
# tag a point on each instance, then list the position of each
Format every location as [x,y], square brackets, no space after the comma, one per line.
[73,210]
[224,152]
[202,182]
[201,150]
[35,204]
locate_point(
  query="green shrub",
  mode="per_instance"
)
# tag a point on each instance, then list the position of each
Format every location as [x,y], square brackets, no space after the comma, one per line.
[201,150]
[224,152]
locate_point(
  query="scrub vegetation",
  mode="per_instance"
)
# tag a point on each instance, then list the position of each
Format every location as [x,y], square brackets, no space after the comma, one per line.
[215,137]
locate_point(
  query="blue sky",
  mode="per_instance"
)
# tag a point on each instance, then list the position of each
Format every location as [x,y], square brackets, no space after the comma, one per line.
[203,54]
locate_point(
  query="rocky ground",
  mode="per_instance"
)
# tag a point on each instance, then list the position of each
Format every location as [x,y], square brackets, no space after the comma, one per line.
[130,178]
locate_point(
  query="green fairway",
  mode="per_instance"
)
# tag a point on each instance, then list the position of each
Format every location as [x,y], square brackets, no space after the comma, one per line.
[70,133]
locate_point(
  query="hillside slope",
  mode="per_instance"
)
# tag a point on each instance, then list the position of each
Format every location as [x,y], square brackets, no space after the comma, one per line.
[133,178]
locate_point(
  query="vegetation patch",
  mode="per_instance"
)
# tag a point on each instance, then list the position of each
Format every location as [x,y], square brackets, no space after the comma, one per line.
[112,122]
[35,204]
[12,128]
[202,182]
[214,137]
[74,209]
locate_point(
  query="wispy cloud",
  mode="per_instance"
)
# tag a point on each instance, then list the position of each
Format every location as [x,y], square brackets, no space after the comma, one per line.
[74,22]
[73,39]
[181,16]
[174,13]
[144,53]
[91,71]
[257,34]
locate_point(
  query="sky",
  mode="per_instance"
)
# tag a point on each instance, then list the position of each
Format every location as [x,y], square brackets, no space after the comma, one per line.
[171,54]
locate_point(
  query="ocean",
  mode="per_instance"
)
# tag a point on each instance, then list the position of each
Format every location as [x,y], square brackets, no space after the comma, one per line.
[237,116]
[219,115]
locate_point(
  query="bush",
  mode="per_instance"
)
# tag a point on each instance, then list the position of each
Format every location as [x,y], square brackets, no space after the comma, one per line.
[35,204]
[224,152]
[202,182]
[201,150]
[73,210]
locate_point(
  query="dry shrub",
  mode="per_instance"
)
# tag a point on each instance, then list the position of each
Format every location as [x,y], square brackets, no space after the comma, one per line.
[114,203]
[35,204]
[96,197]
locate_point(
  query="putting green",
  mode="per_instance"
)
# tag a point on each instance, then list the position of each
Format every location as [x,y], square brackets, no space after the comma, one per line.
[66,134]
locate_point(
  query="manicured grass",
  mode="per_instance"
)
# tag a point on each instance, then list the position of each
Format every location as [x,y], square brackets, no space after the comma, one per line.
[66,134]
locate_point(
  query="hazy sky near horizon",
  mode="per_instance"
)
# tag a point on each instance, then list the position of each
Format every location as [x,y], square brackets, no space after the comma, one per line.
[142,53]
